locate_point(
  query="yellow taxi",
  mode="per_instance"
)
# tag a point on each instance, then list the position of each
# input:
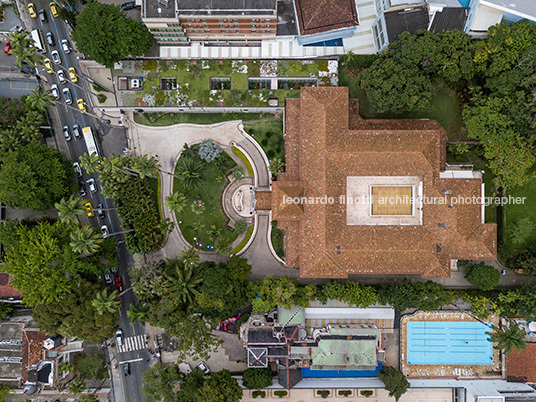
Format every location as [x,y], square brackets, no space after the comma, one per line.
[81,105]
[48,66]
[72,74]
[54,9]
[89,209]
[31,9]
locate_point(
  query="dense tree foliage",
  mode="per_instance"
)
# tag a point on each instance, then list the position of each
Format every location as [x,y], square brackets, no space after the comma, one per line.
[159,383]
[190,386]
[12,110]
[508,337]
[257,378]
[220,387]
[394,381]
[34,176]
[422,295]
[105,34]
[73,314]
[483,276]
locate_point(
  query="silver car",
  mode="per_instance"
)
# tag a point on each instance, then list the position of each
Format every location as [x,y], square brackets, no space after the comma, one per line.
[67,96]
[55,91]
[56,57]
[65,46]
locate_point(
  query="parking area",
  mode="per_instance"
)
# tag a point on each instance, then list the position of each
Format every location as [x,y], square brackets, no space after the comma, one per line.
[134,13]
[16,88]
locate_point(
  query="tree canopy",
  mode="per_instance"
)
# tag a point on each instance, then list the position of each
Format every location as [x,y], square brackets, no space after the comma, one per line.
[159,383]
[394,381]
[483,276]
[220,387]
[105,34]
[257,378]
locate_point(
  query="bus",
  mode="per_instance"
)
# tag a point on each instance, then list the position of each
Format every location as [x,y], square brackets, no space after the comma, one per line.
[90,141]
[37,37]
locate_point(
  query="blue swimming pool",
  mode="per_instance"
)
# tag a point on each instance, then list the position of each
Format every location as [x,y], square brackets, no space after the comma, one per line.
[447,342]
[308,373]
[464,3]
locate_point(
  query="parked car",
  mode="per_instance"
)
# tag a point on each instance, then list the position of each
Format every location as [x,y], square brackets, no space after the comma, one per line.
[7,48]
[72,74]
[61,77]
[77,169]
[118,283]
[81,105]
[119,337]
[128,6]
[203,367]
[82,191]
[108,278]
[89,209]
[67,96]
[56,57]
[92,185]
[104,231]
[53,8]
[55,91]
[48,66]
[31,10]
[43,16]
[66,133]
[50,39]
[65,46]
[76,131]
[126,369]
[100,212]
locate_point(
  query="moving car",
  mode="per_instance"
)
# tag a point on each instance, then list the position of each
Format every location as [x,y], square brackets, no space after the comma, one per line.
[83,193]
[126,369]
[118,283]
[81,105]
[55,57]
[50,39]
[76,131]
[77,169]
[108,278]
[48,66]
[53,8]
[31,9]
[43,16]
[55,91]
[100,212]
[92,185]
[66,133]
[7,48]
[104,231]
[65,46]
[119,337]
[61,77]
[89,209]
[203,367]
[128,6]
[72,74]
[67,96]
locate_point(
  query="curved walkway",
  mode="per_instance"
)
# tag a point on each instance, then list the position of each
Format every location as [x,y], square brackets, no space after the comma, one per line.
[166,143]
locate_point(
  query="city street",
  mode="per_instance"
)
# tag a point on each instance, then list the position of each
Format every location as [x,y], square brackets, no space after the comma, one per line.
[69,115]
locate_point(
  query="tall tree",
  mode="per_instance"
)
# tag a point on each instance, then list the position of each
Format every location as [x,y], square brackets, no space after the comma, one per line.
[190,170]
[146,166]
[26,54]
[394,381]
[159,383]
[190,386]
[70,208]
[105,34]
[137,312]
[106,302]
[176,202]
[182,284]
[40,99]
[85,240]
[220,387]
[92,163]
[190,257]
[508,337]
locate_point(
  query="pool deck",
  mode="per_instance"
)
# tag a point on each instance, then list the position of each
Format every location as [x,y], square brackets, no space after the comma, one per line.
[495,370]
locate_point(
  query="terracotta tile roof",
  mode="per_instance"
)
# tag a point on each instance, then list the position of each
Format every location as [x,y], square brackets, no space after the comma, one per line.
[326,142]
[263,200]
[521,367]
[316,16]
[32,349]
[6,291]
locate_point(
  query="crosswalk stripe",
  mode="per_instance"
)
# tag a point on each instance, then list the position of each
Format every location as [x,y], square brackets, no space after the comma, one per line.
[132,343]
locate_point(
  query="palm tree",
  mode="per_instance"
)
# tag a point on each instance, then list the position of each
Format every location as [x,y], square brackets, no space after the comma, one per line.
[508,337]
[70,208]
[20,39]
[39,99]
[106,302]
[85,240]
[26,55]
[197,226]
[92,163]
[190,257]
[176,202]
[146,166]
[277,166]
[77,386]
[113,165]
[190,171]
[187,151]
[138,312]
[182,283]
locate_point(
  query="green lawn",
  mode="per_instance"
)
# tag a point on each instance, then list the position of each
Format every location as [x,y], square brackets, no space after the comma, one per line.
[210,192]
[269,134]
[445,107]
[91,366]
[277,240]
[514,212]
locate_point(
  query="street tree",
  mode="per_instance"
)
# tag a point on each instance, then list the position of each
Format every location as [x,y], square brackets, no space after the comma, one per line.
[146,166]
[20,39]
[190,386]
[506,338]
[34,176]
[40,99]
[12,110]
[220,387]
[26,52]
[85,240]
[190,257]
[181,282]
[394,381]
[69,209]
[483,276]
[106,302]
[147,280]
[92,163]
[105,34]
[138,312]
[159,383]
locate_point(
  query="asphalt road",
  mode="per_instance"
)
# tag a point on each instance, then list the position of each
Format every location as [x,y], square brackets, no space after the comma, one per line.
[69,115]
[13,84]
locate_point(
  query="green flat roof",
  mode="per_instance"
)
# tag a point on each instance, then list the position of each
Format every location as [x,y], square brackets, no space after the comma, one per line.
[293,316]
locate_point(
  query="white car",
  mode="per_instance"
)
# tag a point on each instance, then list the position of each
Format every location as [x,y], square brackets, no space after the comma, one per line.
[104,231]
[55,57]
[77,169]
[119,337]
[55,91]
[92,185]
[203,367]
[61,77]
[65,46]
[67,96]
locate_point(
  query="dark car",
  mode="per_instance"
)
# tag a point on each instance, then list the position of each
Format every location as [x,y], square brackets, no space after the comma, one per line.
[76,131]
[118,283]
[128,6]
[7,48]
[126,369]
[100,212]
[43,16]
